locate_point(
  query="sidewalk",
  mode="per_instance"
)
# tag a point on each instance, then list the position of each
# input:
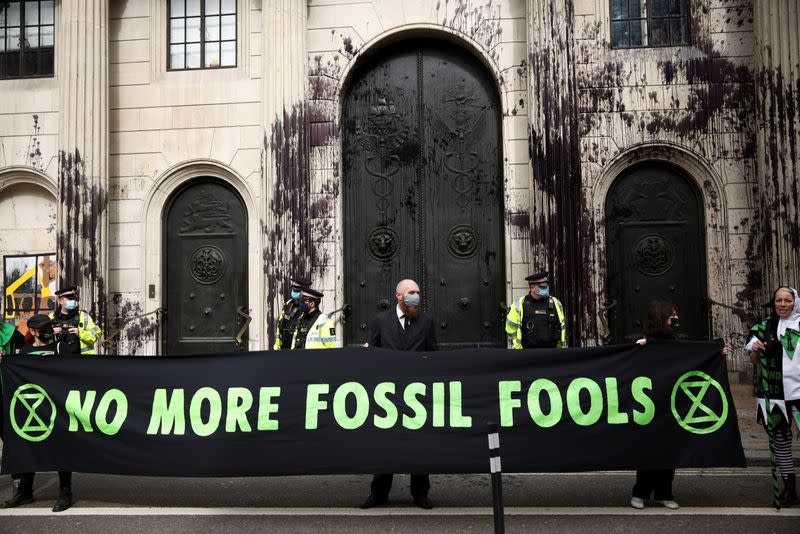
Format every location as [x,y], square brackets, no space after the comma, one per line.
[754,438]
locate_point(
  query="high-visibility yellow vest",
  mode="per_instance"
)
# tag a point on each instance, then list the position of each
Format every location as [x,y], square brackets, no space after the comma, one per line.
[514,323]
[321,335]
[88,332]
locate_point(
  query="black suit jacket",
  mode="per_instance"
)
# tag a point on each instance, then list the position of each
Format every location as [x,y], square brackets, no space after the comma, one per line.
[386,332]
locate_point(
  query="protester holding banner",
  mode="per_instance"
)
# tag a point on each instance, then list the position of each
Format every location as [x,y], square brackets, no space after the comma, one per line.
[773,348]
[291,314]
[662,322]
[314,330]
[536,320]
[405,327]
[44,344]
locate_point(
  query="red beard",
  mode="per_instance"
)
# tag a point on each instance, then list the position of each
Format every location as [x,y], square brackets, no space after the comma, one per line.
[408,310]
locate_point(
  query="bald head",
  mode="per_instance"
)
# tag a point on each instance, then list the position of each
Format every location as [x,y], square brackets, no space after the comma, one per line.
[403,286]
[407,293]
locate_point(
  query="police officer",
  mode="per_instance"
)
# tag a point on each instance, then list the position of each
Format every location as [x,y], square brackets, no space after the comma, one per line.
[315,330]
[536,320]
[291,314]
[44,344]
[73,325]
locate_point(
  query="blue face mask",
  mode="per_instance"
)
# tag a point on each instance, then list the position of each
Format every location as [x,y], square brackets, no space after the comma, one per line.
[71,305]
[544,291]
[412,300]
[303,306]
[295,294]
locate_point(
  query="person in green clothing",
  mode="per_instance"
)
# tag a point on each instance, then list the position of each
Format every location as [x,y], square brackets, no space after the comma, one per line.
[10,339]
[44,344]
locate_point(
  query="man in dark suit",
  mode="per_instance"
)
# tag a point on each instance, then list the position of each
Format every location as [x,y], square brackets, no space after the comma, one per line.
[404,327]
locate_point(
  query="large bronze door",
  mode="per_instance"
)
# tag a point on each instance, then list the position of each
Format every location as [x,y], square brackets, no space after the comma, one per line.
[656,251]
[205,266]
[423,194]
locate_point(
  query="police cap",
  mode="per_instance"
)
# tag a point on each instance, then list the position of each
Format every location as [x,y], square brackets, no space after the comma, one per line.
[300,281]
[537,277]
[69,291]
[38,321]
[312,293]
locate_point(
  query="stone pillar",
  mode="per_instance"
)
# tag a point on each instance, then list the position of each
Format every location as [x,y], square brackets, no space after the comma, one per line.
[556,222]
[287,239]
[82,71]
[778,141]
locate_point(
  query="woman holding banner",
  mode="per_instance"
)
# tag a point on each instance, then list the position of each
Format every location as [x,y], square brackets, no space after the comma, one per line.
[772,346]
[662,322]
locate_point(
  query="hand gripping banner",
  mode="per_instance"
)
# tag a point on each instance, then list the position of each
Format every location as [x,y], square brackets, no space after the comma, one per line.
[355,410]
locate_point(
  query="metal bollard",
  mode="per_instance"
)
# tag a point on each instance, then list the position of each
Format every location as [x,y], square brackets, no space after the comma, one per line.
[497,478]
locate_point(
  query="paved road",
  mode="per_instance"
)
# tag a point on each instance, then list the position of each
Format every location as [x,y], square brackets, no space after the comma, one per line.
[711,500]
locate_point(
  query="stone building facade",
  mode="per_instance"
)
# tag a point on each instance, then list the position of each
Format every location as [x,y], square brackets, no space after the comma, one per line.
[632,167]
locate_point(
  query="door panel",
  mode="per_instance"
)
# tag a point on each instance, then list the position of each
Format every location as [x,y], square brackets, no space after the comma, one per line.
[655,250]
[205,268]
[423,191]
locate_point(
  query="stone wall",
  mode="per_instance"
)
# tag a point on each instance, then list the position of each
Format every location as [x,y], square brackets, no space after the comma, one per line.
[692,106]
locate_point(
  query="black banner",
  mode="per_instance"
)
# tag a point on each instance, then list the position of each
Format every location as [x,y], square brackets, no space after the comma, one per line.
[665,405]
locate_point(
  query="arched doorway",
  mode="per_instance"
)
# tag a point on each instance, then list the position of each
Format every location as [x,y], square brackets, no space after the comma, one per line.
[205,268]
[28,244]
[423,190]
[655,249]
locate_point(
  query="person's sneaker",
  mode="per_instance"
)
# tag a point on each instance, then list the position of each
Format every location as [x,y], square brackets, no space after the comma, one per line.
[637,503]
[672,505]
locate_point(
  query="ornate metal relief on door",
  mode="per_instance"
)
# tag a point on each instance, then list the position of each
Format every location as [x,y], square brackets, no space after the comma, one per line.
[207,264]
[463,241]
[461,123]
[653,255]
[381,134]
[207,214]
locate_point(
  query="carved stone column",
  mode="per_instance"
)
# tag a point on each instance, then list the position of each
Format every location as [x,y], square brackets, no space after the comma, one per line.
[555,204]
[287,240]
[778,142]
[82,71]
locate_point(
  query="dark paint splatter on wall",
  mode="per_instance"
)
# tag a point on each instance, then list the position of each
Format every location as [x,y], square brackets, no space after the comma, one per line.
[707,107]
[33,157]
[134,332]
[288,231]
[79,243]
[557,231]
[778,91]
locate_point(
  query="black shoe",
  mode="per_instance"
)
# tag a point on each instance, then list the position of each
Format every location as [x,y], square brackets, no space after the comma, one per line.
[64,501]
[18,499]
[423,502]
[789,495]
[373,501]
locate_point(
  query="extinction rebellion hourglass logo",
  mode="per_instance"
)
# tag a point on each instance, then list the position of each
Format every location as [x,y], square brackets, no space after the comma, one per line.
[698,403]
[32,413]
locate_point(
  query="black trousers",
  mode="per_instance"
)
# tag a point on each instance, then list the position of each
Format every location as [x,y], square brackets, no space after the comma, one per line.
[381,484]
[656,481]
[26,480]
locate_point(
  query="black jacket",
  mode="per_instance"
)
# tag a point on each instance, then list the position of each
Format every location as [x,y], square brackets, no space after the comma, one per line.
[386,332]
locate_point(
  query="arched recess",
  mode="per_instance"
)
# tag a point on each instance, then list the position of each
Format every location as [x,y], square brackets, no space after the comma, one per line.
[655,249]
[712,202]
[423,193]
[28,202]
[155,204]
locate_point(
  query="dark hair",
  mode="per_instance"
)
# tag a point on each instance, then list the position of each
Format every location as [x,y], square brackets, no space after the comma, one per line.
[657,314]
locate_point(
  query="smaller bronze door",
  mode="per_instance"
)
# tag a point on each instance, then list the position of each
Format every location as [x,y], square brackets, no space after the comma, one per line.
[654,225]
[205,266]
